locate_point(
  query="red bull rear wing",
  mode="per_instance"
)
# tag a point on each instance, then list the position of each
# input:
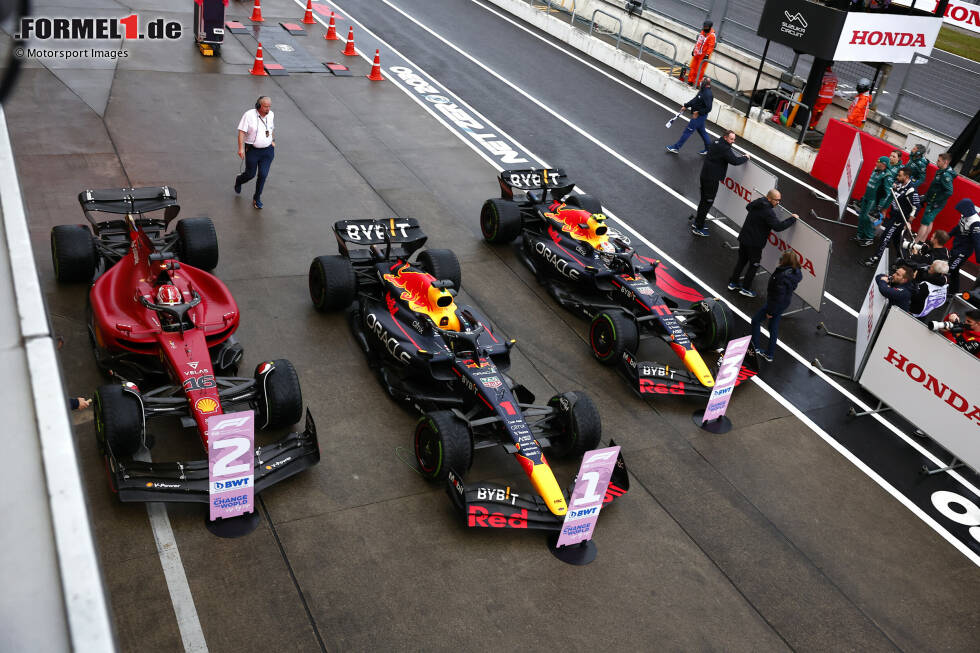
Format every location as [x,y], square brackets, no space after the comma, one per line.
[490,505]
[550,179]
[404,233]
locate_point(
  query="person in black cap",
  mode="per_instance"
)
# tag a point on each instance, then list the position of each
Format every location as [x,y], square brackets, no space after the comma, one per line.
[703,48]
[966,241]
[700,106]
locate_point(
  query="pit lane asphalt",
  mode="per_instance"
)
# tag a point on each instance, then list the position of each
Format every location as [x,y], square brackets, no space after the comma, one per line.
[762,539]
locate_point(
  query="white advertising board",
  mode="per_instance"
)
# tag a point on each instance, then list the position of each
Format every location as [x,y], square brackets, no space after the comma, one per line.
[961,14]
[929,381]
[743,184]
[814,251]
[849,175]
[869,317]
[886,38]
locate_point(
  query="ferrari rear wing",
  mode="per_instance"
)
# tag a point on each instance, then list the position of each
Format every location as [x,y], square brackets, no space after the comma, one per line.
[187,482]
[490,505]
[135,201]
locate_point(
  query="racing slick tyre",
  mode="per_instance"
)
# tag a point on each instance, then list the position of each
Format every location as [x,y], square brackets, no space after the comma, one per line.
[197,243]
[333,283]
[712,322]
[442,264]
[119,424]
[612,333]
[73,253]
[500,221]
[586,202]
[577,426]
[280,400]
[442,442]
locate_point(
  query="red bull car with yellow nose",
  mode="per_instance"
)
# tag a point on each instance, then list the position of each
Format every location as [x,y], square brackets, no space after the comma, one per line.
[443,359]
[594,271]
[163,327]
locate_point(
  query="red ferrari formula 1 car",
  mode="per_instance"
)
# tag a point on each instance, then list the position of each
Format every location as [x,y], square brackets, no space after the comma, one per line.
[595,272]
[157,319]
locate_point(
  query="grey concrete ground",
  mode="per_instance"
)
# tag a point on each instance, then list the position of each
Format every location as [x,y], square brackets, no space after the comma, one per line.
[763,539]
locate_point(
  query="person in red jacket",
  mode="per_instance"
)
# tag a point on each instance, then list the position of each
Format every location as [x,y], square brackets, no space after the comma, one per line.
[858,112]
[965,333]
[703,48]
[828,87]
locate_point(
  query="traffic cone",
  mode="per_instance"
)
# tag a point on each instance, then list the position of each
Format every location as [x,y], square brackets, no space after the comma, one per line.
[349,50]
[257,13]
[258,68]
[375,75]
[308,16]
[331,30]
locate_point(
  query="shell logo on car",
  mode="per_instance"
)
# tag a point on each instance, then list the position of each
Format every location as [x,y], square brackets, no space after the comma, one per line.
[206,405]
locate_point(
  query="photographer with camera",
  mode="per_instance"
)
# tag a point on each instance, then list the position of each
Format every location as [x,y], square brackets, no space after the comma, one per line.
[898,287]
[922,255]
[929,288]
[965,333]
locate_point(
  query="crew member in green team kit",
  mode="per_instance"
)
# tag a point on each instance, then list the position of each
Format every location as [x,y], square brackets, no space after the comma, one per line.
[940,190]
[876,197]
[918,163]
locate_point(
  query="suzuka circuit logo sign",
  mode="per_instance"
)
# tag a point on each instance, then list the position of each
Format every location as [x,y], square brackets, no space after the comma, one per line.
[794,25]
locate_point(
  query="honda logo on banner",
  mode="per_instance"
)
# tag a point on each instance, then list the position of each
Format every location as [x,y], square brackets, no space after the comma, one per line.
[961,14]
[891,39]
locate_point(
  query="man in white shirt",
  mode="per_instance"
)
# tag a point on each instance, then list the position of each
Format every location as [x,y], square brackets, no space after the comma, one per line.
[256,145]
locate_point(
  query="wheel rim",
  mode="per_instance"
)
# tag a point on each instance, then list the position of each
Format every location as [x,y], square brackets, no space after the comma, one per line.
[428,449]
[603,337]
[488,222]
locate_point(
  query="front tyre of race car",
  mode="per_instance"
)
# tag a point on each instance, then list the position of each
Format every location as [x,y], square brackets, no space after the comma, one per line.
[500,221]
[442,264]
[280,399]
[442,442]
[612,332]
[576,425]
[197,244]
[333,283]
[73,253]
[712,323]
[586,202]
[119,424]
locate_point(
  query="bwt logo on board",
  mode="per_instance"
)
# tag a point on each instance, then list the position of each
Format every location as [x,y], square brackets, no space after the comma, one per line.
[80,29]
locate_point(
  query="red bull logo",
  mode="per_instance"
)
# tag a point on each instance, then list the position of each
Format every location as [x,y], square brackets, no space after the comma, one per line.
[579,223]
[422,297]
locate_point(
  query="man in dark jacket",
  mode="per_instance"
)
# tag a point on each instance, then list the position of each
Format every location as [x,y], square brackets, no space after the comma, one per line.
[700,106]
[714,170]
[966,241]
[898,287]
[905,203]
[761,220]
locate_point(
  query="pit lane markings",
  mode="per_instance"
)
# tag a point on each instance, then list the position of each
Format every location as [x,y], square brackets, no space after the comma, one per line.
[959,545]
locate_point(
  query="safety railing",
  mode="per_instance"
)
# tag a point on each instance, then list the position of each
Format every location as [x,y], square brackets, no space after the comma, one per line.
[942,126]
[733,73]
[700,13]
[673,58]
[780,94]
[592,25]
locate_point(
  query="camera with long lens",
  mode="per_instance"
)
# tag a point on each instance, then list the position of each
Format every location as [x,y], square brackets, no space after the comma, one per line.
[952,327]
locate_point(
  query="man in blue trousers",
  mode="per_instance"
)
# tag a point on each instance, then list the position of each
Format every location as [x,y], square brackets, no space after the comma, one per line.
[700,106]
[256,146]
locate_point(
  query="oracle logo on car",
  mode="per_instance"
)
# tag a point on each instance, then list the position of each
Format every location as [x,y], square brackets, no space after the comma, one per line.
[949,396]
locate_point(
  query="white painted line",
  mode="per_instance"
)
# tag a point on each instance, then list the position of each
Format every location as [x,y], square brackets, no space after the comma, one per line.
[857,402]
[581,132]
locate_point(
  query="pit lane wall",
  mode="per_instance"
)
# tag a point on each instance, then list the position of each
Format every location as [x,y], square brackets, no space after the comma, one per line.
[614,16]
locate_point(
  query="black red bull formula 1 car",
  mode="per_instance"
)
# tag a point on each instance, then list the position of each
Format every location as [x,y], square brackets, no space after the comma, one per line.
[442,359]
[158,320]
[595,272]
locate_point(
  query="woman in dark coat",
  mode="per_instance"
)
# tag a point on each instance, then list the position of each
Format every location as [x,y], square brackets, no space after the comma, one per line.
[782,283]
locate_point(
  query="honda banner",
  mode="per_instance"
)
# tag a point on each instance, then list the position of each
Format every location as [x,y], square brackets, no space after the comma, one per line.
[961,14]
[886,38]
[869,317]
[929,381]
[813,248]
[743,184]
[849,175]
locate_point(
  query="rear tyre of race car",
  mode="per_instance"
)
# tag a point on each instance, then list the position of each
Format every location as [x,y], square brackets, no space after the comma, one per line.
[712,323]
[500,221]
[586,202]
[280,400]
[197,243]
[119,424]
[333,283]
[73,253]
[442,442]
[576,423]
[612,333]
[442,264]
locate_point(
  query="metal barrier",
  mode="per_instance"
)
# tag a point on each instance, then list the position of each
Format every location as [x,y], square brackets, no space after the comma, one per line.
[947,127]
[738,79]
[673,58]
[619,35]
[682,17]
[803,124]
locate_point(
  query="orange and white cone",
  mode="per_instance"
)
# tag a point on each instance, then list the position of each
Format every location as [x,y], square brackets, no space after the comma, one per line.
[349,51]
[258,68]
[331,34]
[375,75]
[308,16]
[257,13]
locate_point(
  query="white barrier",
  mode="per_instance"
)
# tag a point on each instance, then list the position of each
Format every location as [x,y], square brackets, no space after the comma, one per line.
[929,381]
[849,175]
[813,249]
[741,186]
[869,318]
